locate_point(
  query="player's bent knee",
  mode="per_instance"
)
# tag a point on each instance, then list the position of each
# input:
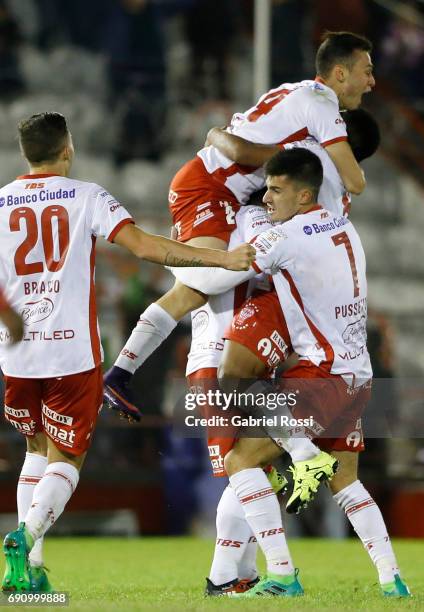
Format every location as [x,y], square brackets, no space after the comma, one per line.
[180,300]
[239,362]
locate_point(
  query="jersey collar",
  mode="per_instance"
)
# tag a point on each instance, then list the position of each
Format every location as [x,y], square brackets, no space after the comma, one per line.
[313,209]
[330,92]
[35,176]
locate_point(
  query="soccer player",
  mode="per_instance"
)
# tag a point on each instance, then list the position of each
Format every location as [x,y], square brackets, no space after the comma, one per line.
[257,342]
[207,192]
[49,224]
[11,320]
[318,268]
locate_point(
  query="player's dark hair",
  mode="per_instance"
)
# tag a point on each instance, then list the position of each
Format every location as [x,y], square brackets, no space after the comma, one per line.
[363,133]
[339,48]
[298,164]
[43,136]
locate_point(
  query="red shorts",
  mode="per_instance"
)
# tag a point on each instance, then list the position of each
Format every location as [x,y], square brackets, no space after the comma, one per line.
[335,407]
[200,382]
[260,326]
[201,205]
[65,408]
[332,401]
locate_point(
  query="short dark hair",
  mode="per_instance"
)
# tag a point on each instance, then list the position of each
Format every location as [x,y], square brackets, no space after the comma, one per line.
[300,165]
[338,48]
[363,133]
[43,136]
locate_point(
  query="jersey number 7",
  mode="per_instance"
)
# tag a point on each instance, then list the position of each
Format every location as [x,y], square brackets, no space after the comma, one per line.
[57,212]
[343,238]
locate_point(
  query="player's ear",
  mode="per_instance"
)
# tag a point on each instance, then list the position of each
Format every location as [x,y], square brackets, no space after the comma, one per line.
[340,72]
[66,154]
[305,196]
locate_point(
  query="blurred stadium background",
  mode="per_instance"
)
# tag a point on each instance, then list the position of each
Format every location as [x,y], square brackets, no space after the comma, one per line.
[141,82]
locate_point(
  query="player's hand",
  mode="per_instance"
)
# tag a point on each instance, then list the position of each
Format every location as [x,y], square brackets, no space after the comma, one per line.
[240,258]
[209,137]
[14,324]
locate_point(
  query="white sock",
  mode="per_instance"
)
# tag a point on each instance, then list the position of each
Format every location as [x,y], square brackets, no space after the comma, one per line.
[232,536]
[247,566]
[263,514]
[368,522]
[32,470]
[299,449]
[153,327]
[50,497]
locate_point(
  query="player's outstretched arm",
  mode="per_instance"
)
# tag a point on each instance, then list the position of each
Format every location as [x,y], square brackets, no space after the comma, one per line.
[350,171]
[240,150]
[171,253]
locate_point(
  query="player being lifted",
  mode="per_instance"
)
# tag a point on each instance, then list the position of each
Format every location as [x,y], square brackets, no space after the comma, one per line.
[207,192]
[49,224]
[318,265]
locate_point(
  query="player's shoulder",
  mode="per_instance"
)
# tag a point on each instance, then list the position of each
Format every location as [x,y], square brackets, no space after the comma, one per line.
[254,217]
[314,92]
[273,235]
[9,186]
[251,211]
[85,185]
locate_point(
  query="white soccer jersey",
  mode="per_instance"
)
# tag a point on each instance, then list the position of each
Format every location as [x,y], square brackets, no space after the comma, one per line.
[211,320]
[291,112]
[318,267]
[48,228]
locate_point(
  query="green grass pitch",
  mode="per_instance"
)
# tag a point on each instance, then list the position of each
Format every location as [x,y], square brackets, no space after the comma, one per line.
[168,574]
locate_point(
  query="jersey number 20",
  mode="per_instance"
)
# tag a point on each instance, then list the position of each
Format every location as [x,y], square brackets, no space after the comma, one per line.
[57,212]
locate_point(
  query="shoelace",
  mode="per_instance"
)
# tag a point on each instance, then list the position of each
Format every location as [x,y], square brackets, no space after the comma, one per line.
[309,481]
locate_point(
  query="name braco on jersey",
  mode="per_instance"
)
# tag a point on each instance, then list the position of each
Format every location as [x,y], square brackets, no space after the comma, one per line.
[49,225]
